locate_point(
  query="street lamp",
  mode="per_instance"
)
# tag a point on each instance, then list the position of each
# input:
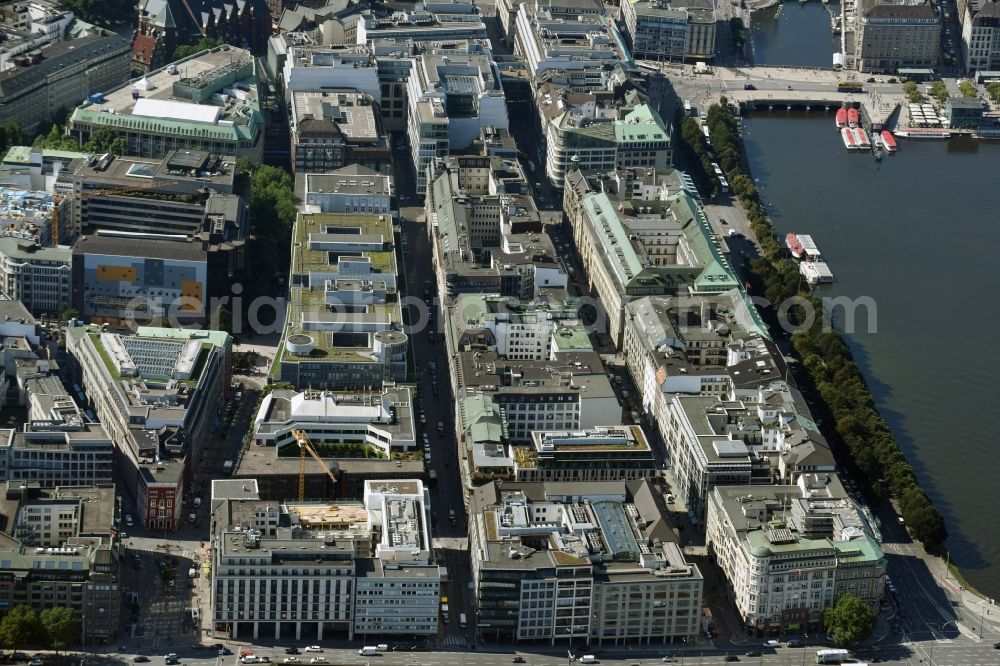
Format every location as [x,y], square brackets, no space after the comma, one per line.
[930,656]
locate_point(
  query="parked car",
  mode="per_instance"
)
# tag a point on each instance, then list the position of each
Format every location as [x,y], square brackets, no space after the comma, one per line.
[517,660]
[313,648]
[140,659]
[224,652]
[291,650]
[318,660]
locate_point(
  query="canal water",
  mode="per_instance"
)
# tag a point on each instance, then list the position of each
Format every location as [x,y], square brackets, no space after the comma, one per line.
[918,233]
[793,33]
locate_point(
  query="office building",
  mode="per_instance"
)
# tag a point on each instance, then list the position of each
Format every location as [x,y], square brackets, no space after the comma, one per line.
[65,449]
[35,169]
[980,34]
[789,552]
[427,21]
[157,393]
[39,277]
[51,517]
[310,67]
[82,575]
[606,453]
[49,62]
[894,35]
[595,131]
[486,233]
[332,129]
[568,392]
[566,34]
[761,437]
[451,94]
[352,189]
[589,563]
[208,101]
[637,248]
[672,30]
[517,330]
[382,420]
[119,279]
[370,572]
[345,322]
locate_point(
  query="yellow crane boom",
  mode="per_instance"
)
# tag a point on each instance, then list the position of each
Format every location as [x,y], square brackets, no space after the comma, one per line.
[305,445]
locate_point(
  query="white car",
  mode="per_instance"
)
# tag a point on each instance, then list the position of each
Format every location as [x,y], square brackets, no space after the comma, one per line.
[772,643]
[290,660]
[313,648]
[318,660]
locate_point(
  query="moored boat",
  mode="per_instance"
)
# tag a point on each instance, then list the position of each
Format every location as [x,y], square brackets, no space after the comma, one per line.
[841,117]
[863,142]
[852,117]
[850,142]
[794,245]
[889,141]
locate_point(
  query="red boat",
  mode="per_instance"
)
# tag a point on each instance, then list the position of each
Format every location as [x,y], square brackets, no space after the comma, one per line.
[852,117]
[889,141]
[841,117]
[862,137]
[793,244]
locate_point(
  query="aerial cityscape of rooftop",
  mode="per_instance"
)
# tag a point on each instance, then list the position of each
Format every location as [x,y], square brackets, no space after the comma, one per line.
[471,332]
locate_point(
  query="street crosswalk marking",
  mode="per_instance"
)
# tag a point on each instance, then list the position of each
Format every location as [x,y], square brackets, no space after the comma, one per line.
[452,642]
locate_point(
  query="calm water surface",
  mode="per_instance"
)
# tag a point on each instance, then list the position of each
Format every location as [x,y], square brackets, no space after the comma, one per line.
[793,34]
[918,233]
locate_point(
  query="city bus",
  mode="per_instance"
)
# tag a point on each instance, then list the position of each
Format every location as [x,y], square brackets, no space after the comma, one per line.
[832,656]
[850,87]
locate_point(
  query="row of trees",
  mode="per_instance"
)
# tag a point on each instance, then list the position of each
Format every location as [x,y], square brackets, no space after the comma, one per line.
[967,88]
[694,154]
[273,208]
[913,93]
[825,355]
[55,628]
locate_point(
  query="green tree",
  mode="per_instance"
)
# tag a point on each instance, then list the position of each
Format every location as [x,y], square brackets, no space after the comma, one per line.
[102,12]
[60,626]
[939,91]
[69,313]
[850,620]
[203,44]
[19,626]
[967,88]
[101,141]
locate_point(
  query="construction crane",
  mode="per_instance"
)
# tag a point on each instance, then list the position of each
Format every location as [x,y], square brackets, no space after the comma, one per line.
[57,199]
[305,445]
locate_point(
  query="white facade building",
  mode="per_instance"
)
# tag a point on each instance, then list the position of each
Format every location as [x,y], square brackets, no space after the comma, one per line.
[452,94]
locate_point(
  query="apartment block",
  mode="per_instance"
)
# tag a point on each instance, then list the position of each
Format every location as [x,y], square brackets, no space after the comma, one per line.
[594,563]
[359,568]
[636,248]
[345,322]
[334,128]
[451,94]
[891,35]
[208,101]
[382,420]
[157,394]
[789,552]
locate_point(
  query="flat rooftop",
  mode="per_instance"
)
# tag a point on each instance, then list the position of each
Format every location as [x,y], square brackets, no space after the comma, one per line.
[349,113]
[214,91]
